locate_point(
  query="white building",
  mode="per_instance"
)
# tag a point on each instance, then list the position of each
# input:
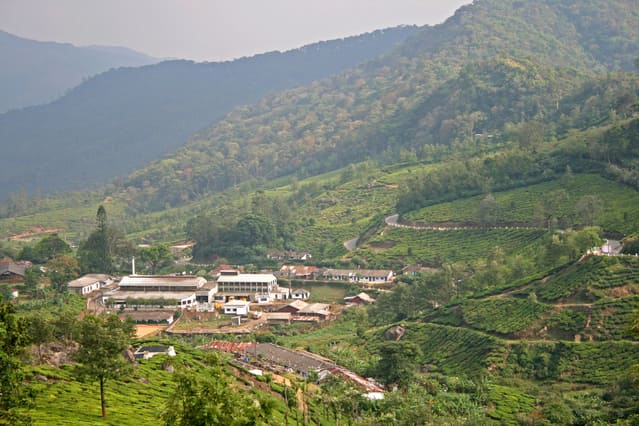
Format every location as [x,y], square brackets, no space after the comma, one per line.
[359,275]
[300,293]
[165,290]
[260,288]
[89,283]
[237,307]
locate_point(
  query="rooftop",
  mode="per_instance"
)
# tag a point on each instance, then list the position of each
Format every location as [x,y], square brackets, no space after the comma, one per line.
[162,281]
[167,295]
[360,272]
[246,278]
[316,308]
[89,279]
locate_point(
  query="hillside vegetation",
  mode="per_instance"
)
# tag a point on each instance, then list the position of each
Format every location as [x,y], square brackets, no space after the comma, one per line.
[125,118]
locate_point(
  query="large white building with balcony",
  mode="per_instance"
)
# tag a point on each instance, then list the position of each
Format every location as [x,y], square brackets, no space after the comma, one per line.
[260,288]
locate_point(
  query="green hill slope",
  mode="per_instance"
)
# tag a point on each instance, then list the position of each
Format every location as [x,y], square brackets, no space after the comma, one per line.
[475,73]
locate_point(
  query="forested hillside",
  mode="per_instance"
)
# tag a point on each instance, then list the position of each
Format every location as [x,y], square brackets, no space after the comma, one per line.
[479,73]
[126,118]
[36,72]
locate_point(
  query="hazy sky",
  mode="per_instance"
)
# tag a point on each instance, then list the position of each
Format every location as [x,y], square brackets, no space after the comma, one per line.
[211,29]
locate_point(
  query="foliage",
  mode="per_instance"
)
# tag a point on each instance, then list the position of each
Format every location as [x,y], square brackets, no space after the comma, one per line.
[525,205]
[101,344]
[601,363]
[14,396]
[510,403]
[398,363]
[211,401]
[60,270]
[413,298]
[502,316]
[455,351]
[103,247]
[595,272]
[45,249]
[155,256]
[40,331]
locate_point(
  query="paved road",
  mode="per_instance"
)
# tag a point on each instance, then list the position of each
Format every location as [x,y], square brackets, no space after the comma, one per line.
[393,220]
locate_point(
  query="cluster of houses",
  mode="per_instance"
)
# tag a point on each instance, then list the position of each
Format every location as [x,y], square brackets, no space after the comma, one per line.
[231,293]
[370,276]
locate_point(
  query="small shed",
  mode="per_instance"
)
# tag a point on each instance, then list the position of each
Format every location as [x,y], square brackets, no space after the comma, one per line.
[148,352]
[278,317]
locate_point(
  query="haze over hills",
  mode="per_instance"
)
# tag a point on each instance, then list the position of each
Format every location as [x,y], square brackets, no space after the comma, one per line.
[128,117]
[37,72]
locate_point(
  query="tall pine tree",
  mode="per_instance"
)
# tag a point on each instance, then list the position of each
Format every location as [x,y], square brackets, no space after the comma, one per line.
[95,254]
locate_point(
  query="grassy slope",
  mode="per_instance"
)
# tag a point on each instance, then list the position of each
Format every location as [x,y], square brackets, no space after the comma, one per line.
[139,399]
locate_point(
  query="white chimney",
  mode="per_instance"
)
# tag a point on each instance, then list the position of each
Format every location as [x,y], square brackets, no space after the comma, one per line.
[133,266]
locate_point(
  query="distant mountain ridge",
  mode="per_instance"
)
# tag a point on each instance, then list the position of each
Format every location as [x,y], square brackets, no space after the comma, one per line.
[126,118]
[36,72]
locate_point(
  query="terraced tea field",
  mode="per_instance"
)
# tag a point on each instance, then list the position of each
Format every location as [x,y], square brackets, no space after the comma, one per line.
[595,272]
[430,246]
[503,316]
[619,203]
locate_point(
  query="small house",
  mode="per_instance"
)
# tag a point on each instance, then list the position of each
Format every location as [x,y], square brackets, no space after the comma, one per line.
[89,283]
[237,307]
[300,294]
[294,307]
[11,272]
[278,317]
[360,299]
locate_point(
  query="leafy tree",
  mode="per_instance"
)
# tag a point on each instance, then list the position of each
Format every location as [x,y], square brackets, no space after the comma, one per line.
[631,246]
[398,362]
[102,342]
[488,209]
[14,336]
[529,135]
[207,398]
[97,253]
[254,230]
[41,332]
[50,247]
[32,280]
[65,325]
[155,256]
[588,209]
[62,269]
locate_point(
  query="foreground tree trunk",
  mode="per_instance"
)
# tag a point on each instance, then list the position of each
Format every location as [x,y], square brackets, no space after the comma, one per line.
[102,401]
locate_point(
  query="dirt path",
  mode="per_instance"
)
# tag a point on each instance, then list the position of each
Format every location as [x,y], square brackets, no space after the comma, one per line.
[351,244]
